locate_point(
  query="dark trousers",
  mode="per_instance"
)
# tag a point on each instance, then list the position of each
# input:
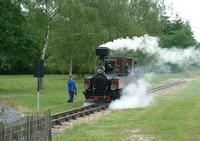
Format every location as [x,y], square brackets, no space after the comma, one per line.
[71,97]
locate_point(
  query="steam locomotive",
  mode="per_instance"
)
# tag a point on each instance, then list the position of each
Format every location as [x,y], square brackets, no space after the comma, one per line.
[111,77]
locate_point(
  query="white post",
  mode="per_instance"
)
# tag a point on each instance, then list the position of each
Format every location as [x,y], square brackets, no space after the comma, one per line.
[38,93]
[38,101]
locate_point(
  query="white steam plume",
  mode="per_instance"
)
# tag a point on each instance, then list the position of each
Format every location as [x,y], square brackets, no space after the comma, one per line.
[133,96]
[150,45]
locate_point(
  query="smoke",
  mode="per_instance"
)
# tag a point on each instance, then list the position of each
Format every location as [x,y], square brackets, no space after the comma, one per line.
[150,45]
[135,94]
[87,104]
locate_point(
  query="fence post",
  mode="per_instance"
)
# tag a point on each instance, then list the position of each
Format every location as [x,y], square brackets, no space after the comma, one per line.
[1,131]
[11,132]
[49,125]
[28,128]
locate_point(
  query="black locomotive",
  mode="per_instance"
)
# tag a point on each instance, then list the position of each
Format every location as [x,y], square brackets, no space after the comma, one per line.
[111,77]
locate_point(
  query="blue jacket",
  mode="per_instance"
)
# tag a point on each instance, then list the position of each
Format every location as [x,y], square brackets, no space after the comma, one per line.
[71,86]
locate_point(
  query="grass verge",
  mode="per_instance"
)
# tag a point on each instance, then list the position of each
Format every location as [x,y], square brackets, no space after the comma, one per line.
[172,117]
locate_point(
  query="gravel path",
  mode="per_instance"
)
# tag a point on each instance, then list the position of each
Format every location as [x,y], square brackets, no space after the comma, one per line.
[8,114]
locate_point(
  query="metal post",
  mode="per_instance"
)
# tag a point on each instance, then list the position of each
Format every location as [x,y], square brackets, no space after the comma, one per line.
[38,83]
[38,101]
[38,94]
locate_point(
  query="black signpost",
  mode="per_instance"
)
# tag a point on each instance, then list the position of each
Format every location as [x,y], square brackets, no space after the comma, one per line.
[38,72]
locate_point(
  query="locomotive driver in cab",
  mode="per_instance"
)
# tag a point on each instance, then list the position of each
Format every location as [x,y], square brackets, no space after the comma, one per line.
[101,68]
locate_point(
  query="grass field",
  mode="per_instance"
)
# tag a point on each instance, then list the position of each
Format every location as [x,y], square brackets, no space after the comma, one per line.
[174,116]
[20,91]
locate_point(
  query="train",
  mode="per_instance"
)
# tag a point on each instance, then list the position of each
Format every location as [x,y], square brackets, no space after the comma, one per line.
[111,77]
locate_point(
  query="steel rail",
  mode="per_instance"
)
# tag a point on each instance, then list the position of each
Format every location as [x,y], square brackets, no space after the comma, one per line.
[58,118]
[165,86]
[58,115]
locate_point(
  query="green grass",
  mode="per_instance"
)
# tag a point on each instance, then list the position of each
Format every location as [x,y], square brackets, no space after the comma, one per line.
[21,90]
[172,117]
[160,78]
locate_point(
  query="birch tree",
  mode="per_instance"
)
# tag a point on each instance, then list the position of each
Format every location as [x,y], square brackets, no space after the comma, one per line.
[47,9]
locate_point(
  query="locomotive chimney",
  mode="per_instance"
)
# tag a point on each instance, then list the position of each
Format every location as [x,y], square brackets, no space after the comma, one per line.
[102,52]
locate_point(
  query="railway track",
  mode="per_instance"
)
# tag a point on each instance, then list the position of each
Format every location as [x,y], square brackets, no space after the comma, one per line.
[73,114]
[57,119]
[165,86]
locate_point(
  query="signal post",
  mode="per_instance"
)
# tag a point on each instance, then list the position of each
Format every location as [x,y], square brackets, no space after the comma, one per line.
[39,73]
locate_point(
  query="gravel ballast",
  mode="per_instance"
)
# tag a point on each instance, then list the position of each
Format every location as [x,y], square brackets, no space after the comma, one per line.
[8,114]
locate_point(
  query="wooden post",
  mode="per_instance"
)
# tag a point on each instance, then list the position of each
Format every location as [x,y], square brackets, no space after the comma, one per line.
[1,131]
[28,129]
[49,125]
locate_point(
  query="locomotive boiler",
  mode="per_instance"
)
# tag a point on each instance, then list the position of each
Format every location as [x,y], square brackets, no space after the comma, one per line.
[111,78]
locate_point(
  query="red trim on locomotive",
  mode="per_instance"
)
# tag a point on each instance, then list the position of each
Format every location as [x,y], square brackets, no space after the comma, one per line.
[120,61]
[86,83]
[116,83]
[99,98]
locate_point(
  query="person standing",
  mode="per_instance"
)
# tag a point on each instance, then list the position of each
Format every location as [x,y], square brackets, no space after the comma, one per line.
[126,68]
[71,89]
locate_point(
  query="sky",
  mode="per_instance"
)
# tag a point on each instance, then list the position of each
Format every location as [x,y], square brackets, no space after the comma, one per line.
[188,10]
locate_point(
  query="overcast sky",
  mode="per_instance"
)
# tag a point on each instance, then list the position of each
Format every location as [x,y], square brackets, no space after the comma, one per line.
[188,10]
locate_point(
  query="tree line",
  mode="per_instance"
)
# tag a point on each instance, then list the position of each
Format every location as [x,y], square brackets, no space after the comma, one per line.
[60,31]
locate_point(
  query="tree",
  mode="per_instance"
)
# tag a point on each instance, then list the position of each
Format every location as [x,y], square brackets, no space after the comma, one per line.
[177,33]
[42,14]
[17,45]
[147,13]
[77,32]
